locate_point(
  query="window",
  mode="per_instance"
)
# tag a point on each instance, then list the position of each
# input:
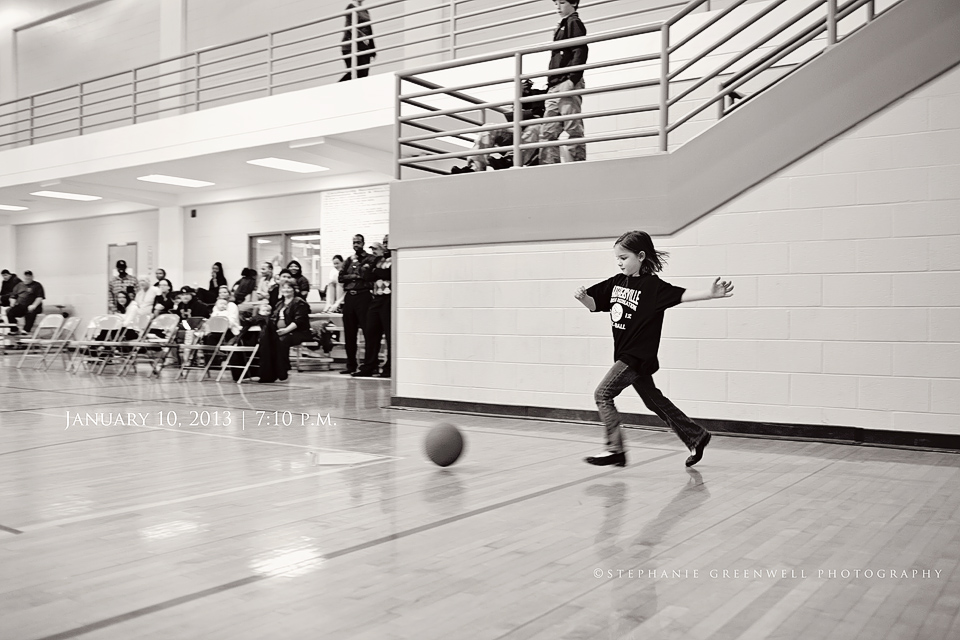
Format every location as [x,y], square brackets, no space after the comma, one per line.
[281,248]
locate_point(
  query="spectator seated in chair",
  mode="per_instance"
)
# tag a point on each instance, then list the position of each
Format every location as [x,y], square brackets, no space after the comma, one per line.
[287,325]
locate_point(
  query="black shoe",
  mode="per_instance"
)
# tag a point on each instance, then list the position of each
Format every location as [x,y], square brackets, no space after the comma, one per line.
[362,374]
[348,372]
[617,459]
[698,450]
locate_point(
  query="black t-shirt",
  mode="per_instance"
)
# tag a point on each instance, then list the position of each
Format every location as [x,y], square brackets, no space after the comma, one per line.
[636,305]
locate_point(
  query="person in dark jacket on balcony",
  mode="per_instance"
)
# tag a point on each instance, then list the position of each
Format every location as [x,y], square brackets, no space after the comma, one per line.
[364,35]
[570,26]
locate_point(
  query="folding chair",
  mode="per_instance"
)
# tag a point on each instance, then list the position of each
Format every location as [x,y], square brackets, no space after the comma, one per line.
[232,349]
[87,350]
[114,351]
[58,343]
[214,325]
[50,325]
[153,349]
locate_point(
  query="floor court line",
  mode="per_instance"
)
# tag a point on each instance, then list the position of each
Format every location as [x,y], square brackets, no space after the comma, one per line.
[137,613]
[40,526]
[73,633]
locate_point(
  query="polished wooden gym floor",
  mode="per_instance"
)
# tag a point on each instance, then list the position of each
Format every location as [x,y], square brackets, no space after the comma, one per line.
[340,529]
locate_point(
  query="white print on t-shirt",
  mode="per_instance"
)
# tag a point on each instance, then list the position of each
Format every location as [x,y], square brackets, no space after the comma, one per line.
[616,312]
[628,297]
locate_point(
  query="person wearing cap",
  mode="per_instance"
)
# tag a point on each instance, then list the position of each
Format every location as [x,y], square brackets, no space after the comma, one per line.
[378,314]
[10,280]
[27,298]
[569,27]
[356,300]
[123,281]
[189,306]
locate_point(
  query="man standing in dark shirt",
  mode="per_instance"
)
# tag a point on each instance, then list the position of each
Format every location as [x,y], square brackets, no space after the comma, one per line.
[570,27]
[364,35]
[356,301]
[10,280]
[378,314]
[27,301]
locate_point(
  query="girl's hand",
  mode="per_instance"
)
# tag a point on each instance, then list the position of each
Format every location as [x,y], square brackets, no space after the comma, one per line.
[721,288]
[581,293]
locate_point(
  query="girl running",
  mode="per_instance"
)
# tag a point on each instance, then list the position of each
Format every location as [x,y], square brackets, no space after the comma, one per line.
[636,299]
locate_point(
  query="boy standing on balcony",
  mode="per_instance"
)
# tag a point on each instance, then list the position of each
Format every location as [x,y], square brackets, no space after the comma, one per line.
[570,27]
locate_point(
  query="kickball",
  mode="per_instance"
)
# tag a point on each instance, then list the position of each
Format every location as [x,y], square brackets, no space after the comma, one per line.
[444,444]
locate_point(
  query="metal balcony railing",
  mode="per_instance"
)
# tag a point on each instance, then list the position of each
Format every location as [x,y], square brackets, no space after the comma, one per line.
[649,82]
[299,57]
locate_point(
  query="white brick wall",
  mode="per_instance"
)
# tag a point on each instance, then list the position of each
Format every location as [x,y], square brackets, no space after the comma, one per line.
[847,305]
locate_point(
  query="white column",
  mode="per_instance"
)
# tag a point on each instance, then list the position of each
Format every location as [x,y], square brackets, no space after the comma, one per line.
[173,42]
[8,64]
[169,255]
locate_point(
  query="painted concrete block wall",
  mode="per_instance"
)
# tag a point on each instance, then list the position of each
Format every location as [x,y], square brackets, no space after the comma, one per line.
[104,39]
[69,258]
[847,305]
[220,232]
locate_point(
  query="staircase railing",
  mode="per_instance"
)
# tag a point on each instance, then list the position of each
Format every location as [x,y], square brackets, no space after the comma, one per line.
[299,57]
[650,82]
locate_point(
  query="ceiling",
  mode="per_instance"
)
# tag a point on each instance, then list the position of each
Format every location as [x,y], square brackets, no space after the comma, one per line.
[353,159]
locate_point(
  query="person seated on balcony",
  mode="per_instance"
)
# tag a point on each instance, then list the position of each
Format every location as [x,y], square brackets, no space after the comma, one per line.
[570,26]
[364,35]
[27,302]
[10,280]
[300,283]
[287,325]
[504,138]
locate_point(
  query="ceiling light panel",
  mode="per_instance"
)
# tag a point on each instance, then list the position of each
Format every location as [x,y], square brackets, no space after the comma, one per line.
[179,182]
[288,165]
[63,195]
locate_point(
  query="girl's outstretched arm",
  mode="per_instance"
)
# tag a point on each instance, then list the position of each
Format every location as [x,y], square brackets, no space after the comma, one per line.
[584,299]
[719,289]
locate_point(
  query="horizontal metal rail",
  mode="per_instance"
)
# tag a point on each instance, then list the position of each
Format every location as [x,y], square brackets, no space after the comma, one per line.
[743,69]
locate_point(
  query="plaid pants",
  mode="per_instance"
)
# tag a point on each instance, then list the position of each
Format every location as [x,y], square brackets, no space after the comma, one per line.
[619,378]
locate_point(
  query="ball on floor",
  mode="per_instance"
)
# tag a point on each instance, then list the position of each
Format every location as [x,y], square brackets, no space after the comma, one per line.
[444,444]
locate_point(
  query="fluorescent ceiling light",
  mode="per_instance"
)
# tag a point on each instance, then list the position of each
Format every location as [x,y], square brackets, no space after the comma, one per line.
[65,196]
[316,237]
[262,241]
[288,165]
[10,207]
[457,141]
[180,182]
